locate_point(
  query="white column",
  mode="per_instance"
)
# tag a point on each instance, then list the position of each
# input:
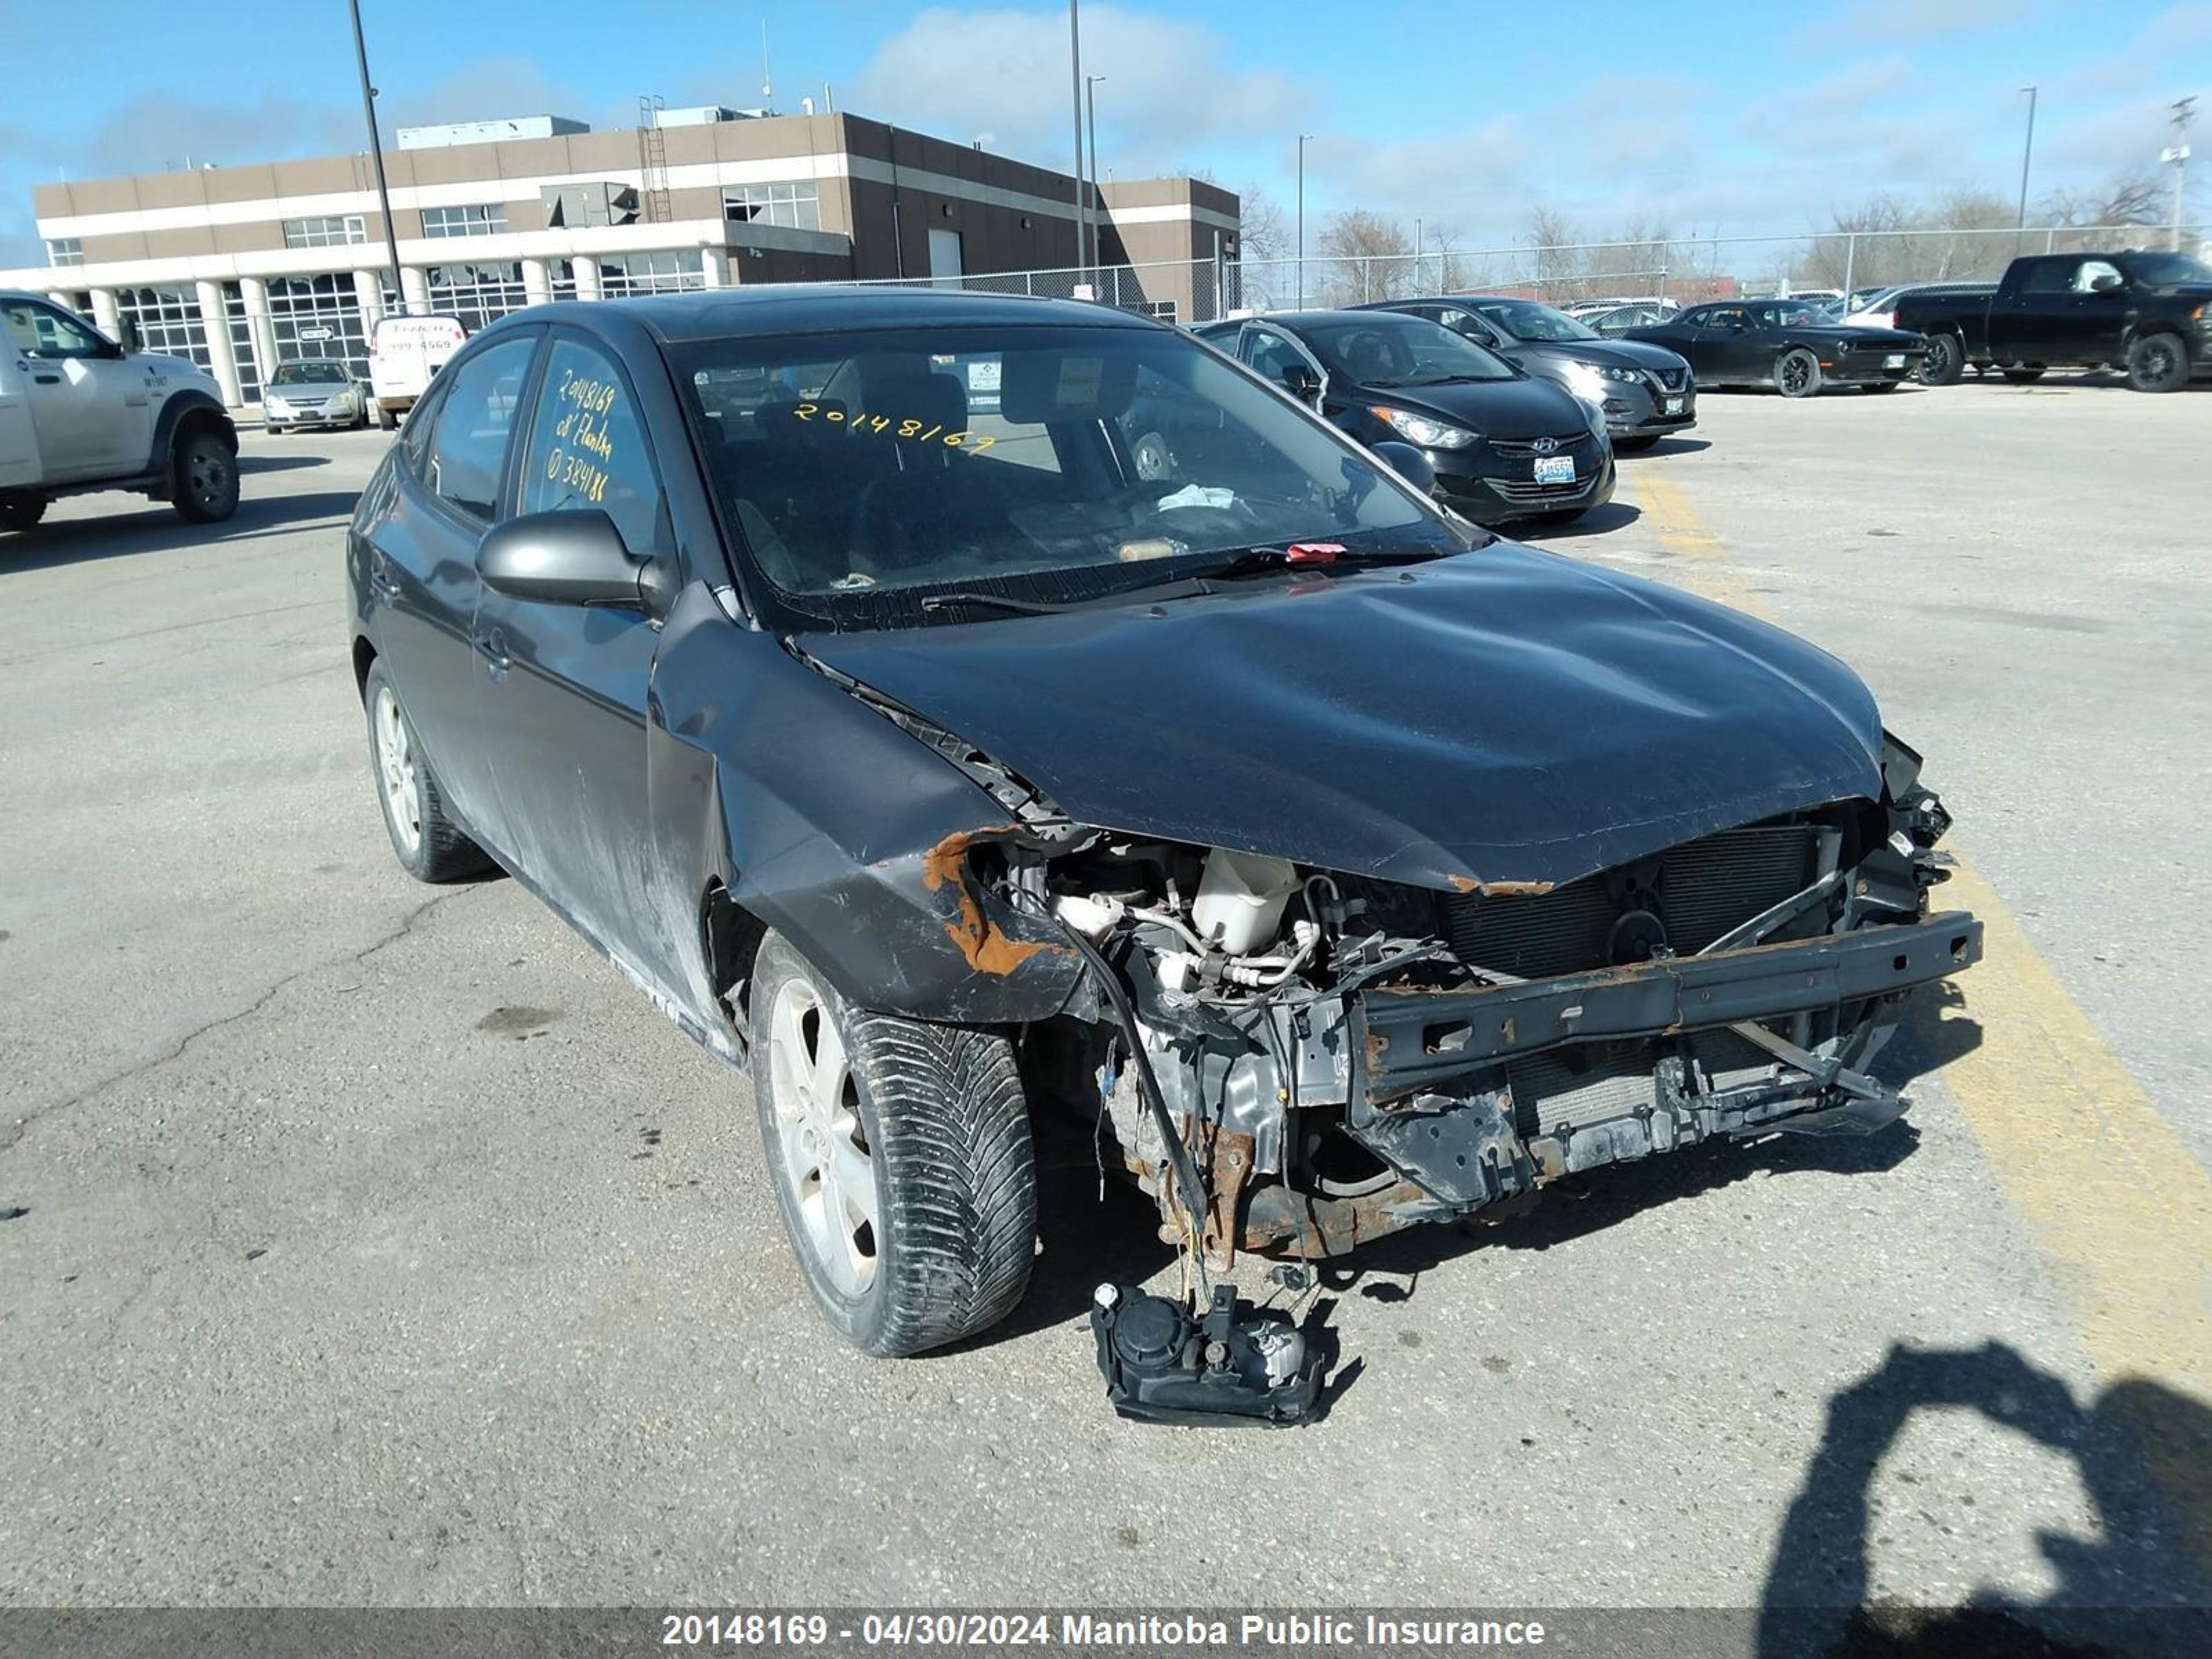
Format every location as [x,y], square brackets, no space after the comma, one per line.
[217,323]
[537,282]
[716,263]
[105,313]
[368,295]
[260,327]
[586,269]
[414,290]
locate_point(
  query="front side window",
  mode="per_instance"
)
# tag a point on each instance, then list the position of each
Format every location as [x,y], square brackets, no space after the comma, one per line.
[467,450]
[587,448]
[861,473]
[40,330]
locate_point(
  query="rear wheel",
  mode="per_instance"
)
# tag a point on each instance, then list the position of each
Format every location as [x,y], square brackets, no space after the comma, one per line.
[202,476]
[20,511]
[2158,362]
[1797,373]
[2022,376]
[1945,361]
[901,1156]
[428,845]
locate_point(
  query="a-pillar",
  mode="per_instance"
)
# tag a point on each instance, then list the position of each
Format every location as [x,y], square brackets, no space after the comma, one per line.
[215,321]
[260,326]
[586,269]
[537,282]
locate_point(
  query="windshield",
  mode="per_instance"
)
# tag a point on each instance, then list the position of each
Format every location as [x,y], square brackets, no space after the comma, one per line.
[2162,269]
[1384,348]
[864,471]
[308,374]
[1524,319]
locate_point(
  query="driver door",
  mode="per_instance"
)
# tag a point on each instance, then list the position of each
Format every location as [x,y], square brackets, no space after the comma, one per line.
[89,404]
[561,689]
[1725,345]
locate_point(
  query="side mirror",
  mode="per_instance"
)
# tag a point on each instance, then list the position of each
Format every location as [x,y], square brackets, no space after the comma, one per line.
[574,557]
[129,330]
[1408,462]
[1302,382]
[2104,283]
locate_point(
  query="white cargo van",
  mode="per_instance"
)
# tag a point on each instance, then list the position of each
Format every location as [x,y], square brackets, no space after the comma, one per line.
[79,412]
[404,354]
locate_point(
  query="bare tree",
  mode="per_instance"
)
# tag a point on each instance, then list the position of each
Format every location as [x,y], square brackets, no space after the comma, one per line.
[1559,266]
[1364,256]
[1265,233]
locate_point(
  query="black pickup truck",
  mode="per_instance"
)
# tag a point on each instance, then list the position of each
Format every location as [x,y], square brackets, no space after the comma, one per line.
[2144,311]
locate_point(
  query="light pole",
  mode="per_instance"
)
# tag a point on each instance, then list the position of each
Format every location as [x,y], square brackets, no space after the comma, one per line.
[2026,154]
[1075,89]
[376,156]
[1303,138]
[1091,115]
[2184,112]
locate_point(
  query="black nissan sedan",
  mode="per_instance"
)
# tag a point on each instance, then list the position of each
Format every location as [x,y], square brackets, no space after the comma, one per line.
[1504,445]
[1792,345]
[1646,391]
[826,659]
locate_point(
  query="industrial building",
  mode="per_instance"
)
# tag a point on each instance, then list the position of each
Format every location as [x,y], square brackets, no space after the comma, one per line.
[243,267]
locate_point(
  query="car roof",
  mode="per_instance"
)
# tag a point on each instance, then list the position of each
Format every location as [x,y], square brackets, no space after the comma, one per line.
[820,308]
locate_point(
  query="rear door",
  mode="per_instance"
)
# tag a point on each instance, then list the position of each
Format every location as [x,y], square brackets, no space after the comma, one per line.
[2029,317]
[421,563]
[563,688]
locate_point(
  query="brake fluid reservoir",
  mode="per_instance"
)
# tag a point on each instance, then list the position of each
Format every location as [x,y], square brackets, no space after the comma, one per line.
[1241,899]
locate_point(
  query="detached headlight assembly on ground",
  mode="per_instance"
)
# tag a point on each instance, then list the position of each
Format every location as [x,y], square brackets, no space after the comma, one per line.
[1421,430]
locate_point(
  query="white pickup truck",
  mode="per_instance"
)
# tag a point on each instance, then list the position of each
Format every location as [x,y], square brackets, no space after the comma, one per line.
[79,412]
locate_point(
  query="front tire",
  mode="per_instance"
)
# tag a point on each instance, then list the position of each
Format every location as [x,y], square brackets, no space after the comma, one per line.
[202,476]
[901,1156]
[2158,362]
[429,846]
[1945,361]
[1797,373]
[21,512]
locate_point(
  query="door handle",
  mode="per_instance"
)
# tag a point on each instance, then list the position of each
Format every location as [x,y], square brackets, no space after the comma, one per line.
[385,584]
[47,379]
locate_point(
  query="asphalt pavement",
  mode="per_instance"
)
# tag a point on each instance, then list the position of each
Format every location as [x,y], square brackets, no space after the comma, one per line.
[378,1244]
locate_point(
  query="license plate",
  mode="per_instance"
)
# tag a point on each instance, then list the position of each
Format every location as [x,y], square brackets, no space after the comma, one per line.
[1895,360]
[1673,405]
[1555,469]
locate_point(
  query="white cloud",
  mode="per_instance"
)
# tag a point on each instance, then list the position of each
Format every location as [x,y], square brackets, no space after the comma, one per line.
[1173,88]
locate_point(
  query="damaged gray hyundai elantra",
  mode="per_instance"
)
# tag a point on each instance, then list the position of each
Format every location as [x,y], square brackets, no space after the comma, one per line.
[845,666]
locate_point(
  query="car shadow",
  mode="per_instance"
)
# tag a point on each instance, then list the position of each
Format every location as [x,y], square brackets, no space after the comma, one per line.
[1613,515]
[2132,1588]
[155,528]
[251,463]
[1663,448]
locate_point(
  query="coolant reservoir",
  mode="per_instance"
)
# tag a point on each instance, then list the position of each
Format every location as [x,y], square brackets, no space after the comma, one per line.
[1241,899]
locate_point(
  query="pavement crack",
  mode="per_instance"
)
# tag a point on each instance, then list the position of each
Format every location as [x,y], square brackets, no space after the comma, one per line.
[177,1050]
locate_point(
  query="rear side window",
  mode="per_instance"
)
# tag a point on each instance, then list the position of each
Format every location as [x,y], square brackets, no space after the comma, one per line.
[2050,277]
[587,446]
[468,445]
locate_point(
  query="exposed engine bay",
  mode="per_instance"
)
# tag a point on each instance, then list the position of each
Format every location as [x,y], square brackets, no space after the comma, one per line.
[1303,1060]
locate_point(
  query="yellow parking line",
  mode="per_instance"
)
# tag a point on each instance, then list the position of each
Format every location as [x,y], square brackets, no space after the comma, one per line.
[2114,1202]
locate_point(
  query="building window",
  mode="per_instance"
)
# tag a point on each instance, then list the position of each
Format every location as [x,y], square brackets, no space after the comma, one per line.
[330,230]
[488,220]
[64,250]
[797,205]
[478,294]
[674,270]
[167,320]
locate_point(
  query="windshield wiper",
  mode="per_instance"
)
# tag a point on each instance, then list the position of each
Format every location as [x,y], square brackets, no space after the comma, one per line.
[1300,554]
[991,602]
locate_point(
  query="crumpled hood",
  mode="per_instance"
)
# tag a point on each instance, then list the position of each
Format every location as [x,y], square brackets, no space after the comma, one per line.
[1505,716]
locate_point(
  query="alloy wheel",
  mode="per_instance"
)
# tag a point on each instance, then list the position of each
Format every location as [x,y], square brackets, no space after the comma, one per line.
[395,761]
[823,1143]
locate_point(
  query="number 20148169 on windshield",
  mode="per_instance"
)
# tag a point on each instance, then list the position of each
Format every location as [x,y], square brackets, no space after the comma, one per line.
[978,442]
[918,1630]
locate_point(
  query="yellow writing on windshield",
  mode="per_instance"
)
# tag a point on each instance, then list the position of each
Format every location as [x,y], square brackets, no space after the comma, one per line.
[913,430]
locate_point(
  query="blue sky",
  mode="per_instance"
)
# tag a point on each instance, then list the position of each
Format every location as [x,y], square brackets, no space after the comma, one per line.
[1708,116]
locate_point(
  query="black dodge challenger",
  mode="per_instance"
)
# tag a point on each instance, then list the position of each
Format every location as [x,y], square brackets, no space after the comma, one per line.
[1789,345]
[826,658]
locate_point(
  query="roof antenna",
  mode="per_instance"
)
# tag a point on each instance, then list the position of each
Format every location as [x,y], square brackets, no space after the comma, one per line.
[767,91]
